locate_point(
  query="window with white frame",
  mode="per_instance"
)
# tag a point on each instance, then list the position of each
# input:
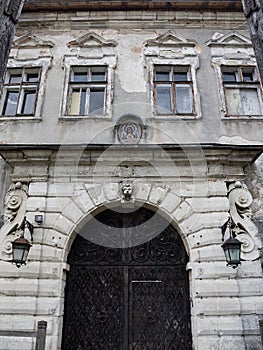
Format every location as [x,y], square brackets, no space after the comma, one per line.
[20,91]
[243,96]
[173,90]
[87,90]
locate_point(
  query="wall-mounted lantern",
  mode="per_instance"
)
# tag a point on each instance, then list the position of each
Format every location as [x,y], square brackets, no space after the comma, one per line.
[21,245]
[232,246]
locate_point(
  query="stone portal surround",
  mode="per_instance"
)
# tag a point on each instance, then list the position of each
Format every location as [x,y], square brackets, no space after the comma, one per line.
[227,299]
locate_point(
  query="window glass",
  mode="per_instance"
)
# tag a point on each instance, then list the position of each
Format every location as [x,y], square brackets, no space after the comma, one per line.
[250,102]
[248,76]
[15,78]
[32,77]
[242,102]
[80,77]
[164,102]
[28,102]
[96,102]
[180,76]
[229,76]
[98,76]
[82,107]
[162,76]
[233,100]
[184,99]
[75,102]
[11,103]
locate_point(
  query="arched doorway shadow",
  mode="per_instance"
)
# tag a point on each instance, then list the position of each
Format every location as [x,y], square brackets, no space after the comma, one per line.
[127,291]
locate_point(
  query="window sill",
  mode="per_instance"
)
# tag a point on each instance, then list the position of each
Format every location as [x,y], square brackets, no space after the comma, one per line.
[84,117]
[174,117]
[21,118]
[243,117]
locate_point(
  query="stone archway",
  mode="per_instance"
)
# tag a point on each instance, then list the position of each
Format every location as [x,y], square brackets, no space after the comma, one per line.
[129,298]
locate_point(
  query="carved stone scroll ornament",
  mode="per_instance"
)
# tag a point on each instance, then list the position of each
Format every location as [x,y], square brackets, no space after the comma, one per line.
[14,214]
[240,201]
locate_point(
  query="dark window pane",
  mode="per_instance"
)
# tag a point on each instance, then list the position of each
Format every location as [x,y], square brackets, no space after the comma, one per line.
[82,107]
[229,76]
[96,101]
[11,103]
[248,76]
[32,77]
[164,103]
[15,78]
[162,76]
[80,76]
[98,76]
[180,76]
[29,103]
[184,101]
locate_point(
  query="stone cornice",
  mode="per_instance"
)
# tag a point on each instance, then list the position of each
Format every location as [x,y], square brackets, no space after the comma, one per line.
[54,5]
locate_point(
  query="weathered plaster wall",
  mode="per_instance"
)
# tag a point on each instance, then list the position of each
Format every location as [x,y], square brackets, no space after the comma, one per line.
[131,78]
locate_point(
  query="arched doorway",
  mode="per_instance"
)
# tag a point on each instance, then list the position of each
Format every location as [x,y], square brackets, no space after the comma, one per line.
[130,298]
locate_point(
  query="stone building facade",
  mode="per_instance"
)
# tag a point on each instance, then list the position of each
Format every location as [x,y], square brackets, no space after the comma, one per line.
[134,126]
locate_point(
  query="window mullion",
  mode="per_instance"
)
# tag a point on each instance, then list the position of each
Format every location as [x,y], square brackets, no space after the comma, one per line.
[173,87]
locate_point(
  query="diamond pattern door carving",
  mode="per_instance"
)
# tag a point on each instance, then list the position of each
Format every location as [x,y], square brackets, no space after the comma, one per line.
[127,299]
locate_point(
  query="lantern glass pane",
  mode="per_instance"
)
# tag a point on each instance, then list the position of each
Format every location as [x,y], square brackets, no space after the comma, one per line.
[234,253]
[18,253]
[227,254]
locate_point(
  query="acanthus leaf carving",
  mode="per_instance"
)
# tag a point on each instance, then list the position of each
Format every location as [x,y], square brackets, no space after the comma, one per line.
[240,200]
[14,214]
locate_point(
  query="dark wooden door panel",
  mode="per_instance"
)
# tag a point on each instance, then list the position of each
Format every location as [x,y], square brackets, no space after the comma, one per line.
[133,298]
[95,309]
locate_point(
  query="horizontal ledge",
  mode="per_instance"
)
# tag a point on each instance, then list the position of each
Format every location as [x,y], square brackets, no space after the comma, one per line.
[21,334]
[120,5]
[98,146]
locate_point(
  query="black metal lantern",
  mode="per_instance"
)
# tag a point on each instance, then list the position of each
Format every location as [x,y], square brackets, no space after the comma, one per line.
[232,249]
[232,246]
[21,248]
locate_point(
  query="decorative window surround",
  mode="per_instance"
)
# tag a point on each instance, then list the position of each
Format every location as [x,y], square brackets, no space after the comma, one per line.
[30,52]
[232,50]
[91,50]
[171,50]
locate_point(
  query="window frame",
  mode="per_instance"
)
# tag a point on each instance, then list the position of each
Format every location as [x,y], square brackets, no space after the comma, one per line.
[21,87]
[108,63]
[172,83]
[240,84]
[41,63]
[86,85]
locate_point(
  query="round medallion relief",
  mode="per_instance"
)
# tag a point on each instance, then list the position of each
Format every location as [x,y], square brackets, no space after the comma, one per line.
[129,133]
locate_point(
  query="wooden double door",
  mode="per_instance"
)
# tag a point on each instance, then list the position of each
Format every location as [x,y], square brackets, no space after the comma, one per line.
[132,298]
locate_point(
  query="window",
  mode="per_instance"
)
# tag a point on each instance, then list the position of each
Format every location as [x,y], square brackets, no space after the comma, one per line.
[87,90]
[242,91]
[173,90]
[20,91]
